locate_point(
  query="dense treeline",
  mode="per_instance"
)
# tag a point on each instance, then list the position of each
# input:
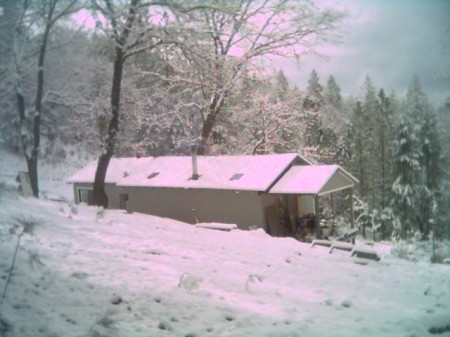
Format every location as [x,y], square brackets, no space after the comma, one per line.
[175,93]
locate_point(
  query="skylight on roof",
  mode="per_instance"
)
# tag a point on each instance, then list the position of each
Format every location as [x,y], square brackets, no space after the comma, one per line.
[152,175]
[236,176]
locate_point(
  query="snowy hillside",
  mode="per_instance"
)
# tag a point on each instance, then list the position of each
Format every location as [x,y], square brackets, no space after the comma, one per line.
[53,171]
[82,272]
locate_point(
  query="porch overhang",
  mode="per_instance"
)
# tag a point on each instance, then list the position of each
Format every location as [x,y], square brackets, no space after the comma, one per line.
[316,180]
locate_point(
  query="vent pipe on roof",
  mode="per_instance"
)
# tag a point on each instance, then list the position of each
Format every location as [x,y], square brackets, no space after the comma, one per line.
[195,174]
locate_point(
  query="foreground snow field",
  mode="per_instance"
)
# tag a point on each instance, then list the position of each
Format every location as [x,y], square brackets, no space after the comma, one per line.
[88,273]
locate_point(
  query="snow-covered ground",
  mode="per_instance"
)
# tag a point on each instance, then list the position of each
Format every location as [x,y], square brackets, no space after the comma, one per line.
[84,273]
[88,272]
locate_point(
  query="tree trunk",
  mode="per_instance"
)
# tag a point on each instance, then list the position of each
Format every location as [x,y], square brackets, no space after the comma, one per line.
[32,164]
[427,205]
[99,195]
[213,110]
[33,160]
[206,132]
[30,159]
[383,183]
[318,231]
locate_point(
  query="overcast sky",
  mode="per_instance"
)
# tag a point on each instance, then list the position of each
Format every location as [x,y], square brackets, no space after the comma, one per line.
[389,40]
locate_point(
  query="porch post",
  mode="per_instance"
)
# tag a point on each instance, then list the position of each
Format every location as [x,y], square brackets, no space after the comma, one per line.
[352,215]
[317,217]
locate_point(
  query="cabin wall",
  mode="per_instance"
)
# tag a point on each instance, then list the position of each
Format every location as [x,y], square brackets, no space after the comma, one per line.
[305,204]
[111,190]
[270,212]
[243,208]
[113,193]
[77,187]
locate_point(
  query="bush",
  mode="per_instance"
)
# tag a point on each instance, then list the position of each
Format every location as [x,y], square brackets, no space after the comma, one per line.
[104,325]
[100,213]
[5,326]
[27,223]
[7,190]
[420,250]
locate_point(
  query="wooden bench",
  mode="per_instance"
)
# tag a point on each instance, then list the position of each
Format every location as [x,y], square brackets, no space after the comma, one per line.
[217,226]
[349,236]
[323,243]
[348,247]
[365,253]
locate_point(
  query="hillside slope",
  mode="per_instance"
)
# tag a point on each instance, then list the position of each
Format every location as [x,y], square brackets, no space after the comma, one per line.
[84,272]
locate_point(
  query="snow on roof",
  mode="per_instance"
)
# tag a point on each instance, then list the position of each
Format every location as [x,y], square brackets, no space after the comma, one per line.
[313,179]
[252,173]
[117,169]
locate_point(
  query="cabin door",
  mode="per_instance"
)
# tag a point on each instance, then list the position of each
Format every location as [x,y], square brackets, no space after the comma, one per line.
[123,201]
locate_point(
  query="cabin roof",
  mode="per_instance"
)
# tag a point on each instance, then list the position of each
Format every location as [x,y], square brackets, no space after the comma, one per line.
[248,173]
[314,179]
[273,173]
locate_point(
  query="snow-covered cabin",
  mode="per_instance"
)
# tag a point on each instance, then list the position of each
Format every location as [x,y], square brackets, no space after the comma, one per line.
[264,191]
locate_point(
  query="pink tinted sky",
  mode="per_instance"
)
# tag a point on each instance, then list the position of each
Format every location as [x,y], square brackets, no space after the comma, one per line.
[84,18]
[388,40]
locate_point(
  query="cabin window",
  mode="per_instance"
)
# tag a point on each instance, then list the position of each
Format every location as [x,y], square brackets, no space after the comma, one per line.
[236,176]
[152,175]
[85,195]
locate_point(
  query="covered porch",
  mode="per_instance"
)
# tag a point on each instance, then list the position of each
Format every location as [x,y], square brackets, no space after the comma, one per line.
[300,196]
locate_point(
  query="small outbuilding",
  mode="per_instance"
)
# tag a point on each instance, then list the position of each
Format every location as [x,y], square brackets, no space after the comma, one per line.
[273,192]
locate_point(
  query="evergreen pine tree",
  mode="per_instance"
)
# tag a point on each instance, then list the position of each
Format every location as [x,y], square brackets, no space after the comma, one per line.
[357,147]
[282,85]
[371,144]
[407,165]
[429,144]
[384,133]
[312,104]
[332,93]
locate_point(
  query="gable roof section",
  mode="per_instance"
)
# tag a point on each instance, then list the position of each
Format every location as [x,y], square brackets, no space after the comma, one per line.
[314,179]
[246,173]
[118,168]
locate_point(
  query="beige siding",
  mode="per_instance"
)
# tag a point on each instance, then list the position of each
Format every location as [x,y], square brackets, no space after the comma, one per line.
[243,208]
[269,202]
[197,205]
[112,191]
[306,204]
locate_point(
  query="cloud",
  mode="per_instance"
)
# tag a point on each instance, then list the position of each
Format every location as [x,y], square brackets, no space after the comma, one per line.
[390,41]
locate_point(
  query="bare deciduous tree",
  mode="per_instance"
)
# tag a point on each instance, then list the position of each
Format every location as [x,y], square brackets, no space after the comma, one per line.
[223,42]
[34,23]
[130,28]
